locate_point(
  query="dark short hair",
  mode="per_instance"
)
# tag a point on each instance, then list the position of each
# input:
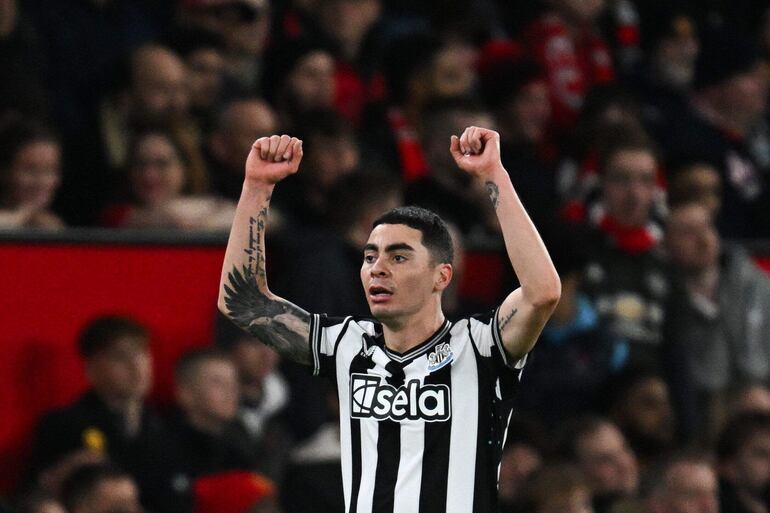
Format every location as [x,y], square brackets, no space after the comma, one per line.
[102,332]
[435,235]
[190,362]
[740,430]
[574,431]
[85,479]
[625,138]
[16,132]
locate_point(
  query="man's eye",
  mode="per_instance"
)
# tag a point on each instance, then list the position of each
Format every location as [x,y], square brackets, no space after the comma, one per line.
[399,258]
[368,259]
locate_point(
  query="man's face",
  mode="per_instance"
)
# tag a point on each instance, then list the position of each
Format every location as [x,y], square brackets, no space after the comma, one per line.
[243,123]
[629,186]
[159,85]
[530,111]
[122,371]
[691,240]
[608,462]
[690,488]
[115,495]
[213,393]
[206,68]
[34,175]
[398,274]
[676,54]
[647,408]
[311,82]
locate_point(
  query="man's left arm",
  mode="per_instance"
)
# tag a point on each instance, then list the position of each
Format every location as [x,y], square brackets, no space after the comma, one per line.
[523,314]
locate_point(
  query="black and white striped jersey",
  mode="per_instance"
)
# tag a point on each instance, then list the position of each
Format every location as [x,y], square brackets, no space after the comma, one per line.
[422,431]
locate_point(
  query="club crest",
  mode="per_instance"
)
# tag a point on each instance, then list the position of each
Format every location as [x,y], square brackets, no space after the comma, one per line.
[442,355]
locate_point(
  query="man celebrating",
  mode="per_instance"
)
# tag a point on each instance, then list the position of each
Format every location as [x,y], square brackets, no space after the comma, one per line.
[424,403]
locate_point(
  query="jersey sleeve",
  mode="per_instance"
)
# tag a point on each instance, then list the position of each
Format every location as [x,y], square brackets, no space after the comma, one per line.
[485,334]
[325,335]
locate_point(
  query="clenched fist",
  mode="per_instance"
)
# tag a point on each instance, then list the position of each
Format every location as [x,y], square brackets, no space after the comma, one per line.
[477,151]
[273,158]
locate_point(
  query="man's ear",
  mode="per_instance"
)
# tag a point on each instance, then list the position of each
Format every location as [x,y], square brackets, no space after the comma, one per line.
[443,276]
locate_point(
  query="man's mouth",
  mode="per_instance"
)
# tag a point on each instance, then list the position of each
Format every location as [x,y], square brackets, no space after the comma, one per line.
[379,294]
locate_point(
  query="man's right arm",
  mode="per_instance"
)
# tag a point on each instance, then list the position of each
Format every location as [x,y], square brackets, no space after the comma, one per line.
[243,293]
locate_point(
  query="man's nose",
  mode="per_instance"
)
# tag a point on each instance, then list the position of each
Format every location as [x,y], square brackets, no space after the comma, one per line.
[379,268]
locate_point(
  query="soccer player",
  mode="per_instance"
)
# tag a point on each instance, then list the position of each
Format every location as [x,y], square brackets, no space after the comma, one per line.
[424,403]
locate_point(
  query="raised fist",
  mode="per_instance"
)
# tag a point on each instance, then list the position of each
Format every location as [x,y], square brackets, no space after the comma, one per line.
[273,158]
[477,151]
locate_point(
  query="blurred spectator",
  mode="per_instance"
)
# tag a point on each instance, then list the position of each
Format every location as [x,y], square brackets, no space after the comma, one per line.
[264,393]
[204,56]
[30,174]
[641,407]
[157,95]
[522,458]
[419,69]
[315,467]
[101,488]
[243,26]
[111,417]
[576,355]
[238,126]
[720,331]
[446,190]
[683,484]
[517,91]
[21,61]
[598,447]
[204,440]
[672,45]
[165,186]
[299,78]
[744,464]
[331,152]
[725,128]
[626,278]
[607,113]
[40,502]
[696,182]
[560,488]
[349,28]
[565,41]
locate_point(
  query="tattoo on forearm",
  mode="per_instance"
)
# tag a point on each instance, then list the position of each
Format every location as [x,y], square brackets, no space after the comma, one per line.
[494,193]
[275,322]
[256,252]
[507,319]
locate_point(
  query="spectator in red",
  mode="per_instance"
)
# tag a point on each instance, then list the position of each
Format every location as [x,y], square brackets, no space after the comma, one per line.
[566,43]
[626,277]
[30,175]
[165,188]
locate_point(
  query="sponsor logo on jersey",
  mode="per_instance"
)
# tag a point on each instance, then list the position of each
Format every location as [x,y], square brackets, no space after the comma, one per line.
[440,357]
[371,397]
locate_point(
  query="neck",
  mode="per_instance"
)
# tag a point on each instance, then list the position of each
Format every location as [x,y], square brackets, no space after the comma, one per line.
[403,335]
[131,409]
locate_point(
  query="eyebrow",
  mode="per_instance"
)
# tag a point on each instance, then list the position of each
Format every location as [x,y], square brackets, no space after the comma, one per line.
[398,246]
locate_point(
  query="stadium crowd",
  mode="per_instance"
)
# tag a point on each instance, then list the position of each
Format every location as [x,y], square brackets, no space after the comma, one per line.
[636,132]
